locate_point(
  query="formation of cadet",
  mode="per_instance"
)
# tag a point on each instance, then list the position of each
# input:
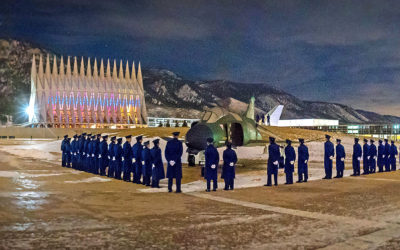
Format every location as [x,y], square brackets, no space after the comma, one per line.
[89,153]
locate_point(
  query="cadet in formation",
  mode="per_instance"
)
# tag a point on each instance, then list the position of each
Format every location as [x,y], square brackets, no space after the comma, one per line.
[328,157]
[74,150]
[147,163]
[365,157]
[103,156]
[381,156]
[96,166]
[340,157]
[273,162]
[127,164]
[64,151]
[228,170]
[68,152]
[137,160]
[357,153]
[372,154]
[211,165]
[387,155]
[173,154]
[118,159]
[87,151]
[157,166]
[290,158]
[111,157]
[81,151]
[302,164]
[393,153]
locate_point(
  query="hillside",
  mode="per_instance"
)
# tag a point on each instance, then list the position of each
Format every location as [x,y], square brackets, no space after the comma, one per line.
[168,94]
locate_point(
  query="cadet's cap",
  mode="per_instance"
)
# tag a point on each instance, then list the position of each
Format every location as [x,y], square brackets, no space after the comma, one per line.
[392,141]
[68,139]
[301,140]
[175,133]
[138,138]
[327,136]
[271,138]
[83,134]
[105,136]
[113,138]
[146,143]
[365,140]
[210,140]
[228,143]
[386,140]
[65,136]
[75,136]
[380,141]
[89,134]
[288,141]
[119,139]
[98,135]
[128,136]
[156,141]
[372,141]
[93,136]
[338,140]
[356,139]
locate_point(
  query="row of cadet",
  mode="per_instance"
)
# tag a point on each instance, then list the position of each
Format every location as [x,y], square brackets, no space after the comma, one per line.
[384,156]
[88,153]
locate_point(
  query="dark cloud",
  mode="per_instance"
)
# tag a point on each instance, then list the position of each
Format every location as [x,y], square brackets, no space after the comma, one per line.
[342,51]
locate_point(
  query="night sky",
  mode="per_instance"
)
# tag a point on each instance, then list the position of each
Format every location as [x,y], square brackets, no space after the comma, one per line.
[337,51]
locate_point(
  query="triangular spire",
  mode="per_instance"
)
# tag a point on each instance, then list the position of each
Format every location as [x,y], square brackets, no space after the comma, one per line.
[33,69]
[133,73]
[101,68]
[108,73]
[89,68]
[139,76]
[95,73]
[61,69]
[115,69]
[82,70]
[121,70]
[40,65]
[127,76]
[47,72]
[75,67]
[54,72]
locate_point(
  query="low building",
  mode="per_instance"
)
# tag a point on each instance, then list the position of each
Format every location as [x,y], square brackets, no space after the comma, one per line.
[307,123]
[156,121]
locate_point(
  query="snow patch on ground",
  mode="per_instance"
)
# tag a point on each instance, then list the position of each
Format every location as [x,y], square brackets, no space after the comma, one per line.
[90,180]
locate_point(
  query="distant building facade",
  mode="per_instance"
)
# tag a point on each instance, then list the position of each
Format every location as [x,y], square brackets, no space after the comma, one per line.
[93,97]
[172,122]
[307,123]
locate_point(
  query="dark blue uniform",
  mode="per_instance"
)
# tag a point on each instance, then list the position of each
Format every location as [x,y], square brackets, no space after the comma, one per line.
[111,164]
[303,163]
[81,153]
[118,160]
[372,152]
[387,156]
[290,157]
[127,164]
[87,150]
[340,155]
[211,166]
[329,152]
[147,164]
[103,157]
[228,170]
[96,152]
[63,153]
[92,157]
[173,152]
[74,151]
[393,154]
[381,158]
[274,155]
[365,158]
[137,155]
[357,153]
[158,167]
[68,153]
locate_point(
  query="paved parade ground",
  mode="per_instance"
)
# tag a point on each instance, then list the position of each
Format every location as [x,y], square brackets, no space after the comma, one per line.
[45,206]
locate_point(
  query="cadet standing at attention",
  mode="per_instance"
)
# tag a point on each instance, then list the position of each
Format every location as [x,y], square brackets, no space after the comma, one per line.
[92,159]
[290,157]
[357,153]
[387,156]
[211,165]
[381,156]
[86,161]
[81,151]
[228,169]
[302,164]
[63,152]
[372,157]
[74,150]
[328,157]
[118,159]
[158,166]
[96,154]
[365,157]
[103,155]
[340,157]
[273,162]
[111,154]
[68,152]
[127,164]
[137,159]
[147,164]
[173,154]
[393,153]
